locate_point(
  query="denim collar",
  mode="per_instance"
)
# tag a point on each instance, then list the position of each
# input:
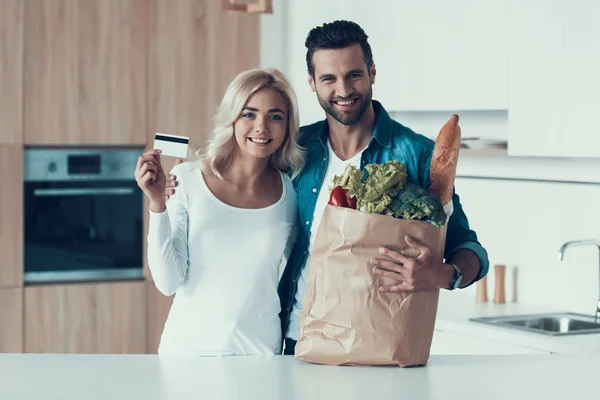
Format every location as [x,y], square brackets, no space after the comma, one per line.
[382,132]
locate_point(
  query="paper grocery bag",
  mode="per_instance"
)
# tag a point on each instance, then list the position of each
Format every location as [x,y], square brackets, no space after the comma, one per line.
[345,318]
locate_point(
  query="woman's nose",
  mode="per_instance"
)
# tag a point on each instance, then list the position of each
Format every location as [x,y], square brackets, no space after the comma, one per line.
[259,126]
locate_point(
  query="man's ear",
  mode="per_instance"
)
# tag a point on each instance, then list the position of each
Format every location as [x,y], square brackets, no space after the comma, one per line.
[372,73]
[311,82]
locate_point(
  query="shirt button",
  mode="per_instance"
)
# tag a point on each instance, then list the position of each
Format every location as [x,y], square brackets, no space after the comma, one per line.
[324,158]
[314,190]
[307,222]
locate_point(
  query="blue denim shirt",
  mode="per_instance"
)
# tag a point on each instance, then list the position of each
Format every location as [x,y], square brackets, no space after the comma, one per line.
[391,141]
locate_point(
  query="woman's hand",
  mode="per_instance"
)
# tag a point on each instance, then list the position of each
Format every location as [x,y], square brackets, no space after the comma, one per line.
[172,182]
[151,178]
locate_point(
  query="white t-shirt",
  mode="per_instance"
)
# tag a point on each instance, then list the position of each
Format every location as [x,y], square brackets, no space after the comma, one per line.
[223,263]
[336,166]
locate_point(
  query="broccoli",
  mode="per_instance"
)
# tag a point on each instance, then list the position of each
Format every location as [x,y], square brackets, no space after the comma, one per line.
[414,202]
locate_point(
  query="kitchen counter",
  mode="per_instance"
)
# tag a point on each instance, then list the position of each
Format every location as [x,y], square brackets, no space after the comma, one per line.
[455,309]
[150,377]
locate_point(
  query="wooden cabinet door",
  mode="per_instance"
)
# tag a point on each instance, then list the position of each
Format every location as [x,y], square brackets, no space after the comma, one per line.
[195,50]
[11,215]
[86,318]
[85,72]
[158,308]
[11,71]
[11,320]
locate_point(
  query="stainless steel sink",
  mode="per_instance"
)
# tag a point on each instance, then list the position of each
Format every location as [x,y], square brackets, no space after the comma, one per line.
[548,324]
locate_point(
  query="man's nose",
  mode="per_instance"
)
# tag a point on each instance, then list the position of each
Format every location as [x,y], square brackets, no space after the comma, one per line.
[343,89]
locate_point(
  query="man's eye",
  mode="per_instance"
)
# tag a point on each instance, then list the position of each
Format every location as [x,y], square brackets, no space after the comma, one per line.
[327,79]
[354,75]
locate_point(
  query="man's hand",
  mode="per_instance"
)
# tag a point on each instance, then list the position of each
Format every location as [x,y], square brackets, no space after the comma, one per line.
[171,182]
[425,272]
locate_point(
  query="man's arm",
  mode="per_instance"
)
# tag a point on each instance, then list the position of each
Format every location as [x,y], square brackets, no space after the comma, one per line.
[468,262]
[463,248]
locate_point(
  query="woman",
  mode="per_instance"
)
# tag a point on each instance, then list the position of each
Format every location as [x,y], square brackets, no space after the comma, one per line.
[218,242]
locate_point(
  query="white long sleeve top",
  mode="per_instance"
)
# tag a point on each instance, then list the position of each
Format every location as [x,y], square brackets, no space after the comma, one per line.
[223,264]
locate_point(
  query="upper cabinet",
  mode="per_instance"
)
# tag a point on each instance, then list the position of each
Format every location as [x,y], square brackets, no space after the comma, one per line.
[11,71]
[554,79]
[460,56]
[85,72]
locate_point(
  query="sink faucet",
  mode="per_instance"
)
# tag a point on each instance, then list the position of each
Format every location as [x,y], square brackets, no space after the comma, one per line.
[586,242]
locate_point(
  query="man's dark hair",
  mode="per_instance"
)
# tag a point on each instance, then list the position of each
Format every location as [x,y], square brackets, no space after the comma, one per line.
[337,35]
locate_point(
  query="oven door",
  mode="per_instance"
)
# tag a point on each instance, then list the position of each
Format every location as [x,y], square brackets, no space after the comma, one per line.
[81,231]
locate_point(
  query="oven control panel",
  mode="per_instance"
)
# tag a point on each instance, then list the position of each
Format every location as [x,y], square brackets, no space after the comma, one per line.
[80,164]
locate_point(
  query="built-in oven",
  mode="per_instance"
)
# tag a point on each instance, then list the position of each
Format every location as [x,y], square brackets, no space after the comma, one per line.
[82,215]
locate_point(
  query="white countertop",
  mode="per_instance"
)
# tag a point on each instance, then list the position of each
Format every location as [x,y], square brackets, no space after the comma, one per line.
[455,309]
[152,377]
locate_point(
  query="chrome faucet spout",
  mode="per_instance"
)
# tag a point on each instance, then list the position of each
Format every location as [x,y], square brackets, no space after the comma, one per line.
[585,242]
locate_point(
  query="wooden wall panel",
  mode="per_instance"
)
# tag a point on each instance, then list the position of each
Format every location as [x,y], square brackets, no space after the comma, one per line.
[195,50]
[85,72]
[11,71]
[11,320]
[11,215]
[86,318]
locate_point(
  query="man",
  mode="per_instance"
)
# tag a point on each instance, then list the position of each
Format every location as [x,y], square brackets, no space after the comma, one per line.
[358,131]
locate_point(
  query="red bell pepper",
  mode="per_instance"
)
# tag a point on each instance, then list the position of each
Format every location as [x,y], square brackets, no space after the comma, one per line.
[339,197]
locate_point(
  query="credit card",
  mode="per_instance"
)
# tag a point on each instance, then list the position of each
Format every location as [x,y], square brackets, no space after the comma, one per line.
[172,145]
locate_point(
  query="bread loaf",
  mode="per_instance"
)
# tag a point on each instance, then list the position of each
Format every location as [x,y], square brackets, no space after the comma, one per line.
[444,160]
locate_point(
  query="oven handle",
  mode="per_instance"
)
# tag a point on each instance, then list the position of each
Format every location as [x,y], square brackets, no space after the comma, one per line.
[83,191]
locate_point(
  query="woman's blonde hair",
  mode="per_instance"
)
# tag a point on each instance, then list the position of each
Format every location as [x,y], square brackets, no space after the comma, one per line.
[218,154]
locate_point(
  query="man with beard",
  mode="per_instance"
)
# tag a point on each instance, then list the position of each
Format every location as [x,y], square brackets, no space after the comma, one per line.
[358,131]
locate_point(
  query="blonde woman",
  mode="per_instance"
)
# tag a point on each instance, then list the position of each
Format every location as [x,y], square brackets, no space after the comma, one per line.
[218,242]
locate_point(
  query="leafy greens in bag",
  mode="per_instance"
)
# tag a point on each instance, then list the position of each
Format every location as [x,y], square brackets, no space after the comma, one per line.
[385,191]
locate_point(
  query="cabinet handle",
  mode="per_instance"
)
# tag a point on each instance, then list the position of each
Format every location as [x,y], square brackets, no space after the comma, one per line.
[83,192]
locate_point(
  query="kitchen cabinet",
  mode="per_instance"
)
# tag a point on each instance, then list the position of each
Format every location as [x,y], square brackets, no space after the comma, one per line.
[195,50]
[86,318]
[455,343]
[11,320]
[460,55]
[554,80]
[11,71]
[11,215]
[158,310]
[85,72]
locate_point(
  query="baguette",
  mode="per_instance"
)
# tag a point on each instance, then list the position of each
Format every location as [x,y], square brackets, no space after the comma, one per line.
[444,160]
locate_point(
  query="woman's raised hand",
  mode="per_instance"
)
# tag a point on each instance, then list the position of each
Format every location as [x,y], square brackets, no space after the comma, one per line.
[151,178]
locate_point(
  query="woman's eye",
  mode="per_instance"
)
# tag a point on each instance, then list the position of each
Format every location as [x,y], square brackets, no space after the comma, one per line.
[276,117]
[248,115]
